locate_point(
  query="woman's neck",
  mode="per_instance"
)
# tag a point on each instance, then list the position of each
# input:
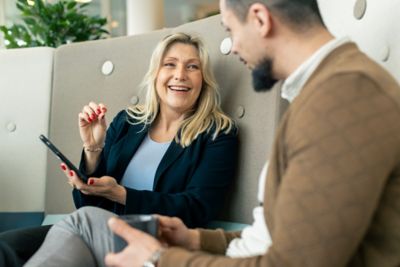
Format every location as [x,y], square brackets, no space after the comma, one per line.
[165,126]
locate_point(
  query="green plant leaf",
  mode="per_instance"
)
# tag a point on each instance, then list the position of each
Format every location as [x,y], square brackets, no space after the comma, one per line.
[47,24]
[29,20]
[83,5]
[20,6]
[71,5]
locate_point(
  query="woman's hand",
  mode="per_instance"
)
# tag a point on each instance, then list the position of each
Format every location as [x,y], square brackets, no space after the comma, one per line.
[173,232]
[105,186]
[92,125]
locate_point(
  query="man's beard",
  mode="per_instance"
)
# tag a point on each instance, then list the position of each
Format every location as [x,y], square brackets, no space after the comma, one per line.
[262,76]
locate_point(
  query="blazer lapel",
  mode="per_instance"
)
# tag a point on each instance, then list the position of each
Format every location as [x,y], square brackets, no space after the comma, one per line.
[173,152]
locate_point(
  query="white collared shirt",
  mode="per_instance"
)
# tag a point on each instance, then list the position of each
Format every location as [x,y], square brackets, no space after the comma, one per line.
[293,84]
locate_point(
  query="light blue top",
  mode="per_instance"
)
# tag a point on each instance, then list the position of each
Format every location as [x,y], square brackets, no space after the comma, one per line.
[142,168]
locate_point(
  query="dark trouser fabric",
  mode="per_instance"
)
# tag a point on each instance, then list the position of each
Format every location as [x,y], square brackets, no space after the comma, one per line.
[22,243]
[8,258]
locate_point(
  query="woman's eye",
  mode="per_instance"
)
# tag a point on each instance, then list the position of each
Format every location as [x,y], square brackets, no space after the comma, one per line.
[193,66]
[168,64]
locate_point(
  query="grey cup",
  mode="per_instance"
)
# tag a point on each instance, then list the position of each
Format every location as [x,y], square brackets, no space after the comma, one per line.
[145,223]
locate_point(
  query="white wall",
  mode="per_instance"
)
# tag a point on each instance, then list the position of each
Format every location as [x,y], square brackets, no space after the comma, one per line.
[2,21]
[2,14]
[144,16]
[377,33]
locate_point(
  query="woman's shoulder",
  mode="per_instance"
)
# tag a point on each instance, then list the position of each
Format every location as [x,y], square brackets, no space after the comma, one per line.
[215,132]
[124,119]
[122,114]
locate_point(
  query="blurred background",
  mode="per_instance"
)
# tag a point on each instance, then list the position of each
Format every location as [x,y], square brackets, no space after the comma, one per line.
[128,17]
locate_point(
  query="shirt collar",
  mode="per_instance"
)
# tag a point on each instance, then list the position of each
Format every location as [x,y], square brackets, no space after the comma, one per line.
[296,81]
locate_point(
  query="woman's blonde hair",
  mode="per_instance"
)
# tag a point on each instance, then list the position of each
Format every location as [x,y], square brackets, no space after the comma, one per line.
[206,113]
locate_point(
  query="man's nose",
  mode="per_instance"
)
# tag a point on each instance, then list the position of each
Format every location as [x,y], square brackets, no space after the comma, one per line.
[233,50]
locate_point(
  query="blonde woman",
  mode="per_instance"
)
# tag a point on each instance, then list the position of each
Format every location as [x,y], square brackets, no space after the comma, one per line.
[173,155]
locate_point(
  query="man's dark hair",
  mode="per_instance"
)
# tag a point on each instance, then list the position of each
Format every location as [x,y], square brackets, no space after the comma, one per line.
[299,14]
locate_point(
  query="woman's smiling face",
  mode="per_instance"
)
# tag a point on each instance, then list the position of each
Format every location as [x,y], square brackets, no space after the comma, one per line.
[179,80]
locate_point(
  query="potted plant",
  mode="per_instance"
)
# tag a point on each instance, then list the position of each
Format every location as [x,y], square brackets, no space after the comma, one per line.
[46,24]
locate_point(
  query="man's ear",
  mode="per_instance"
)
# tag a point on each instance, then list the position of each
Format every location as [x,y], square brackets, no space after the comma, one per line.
[261,18]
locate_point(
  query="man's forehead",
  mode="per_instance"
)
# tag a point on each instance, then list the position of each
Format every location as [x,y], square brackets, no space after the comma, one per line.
[222,7]
[224,24]
[224,16]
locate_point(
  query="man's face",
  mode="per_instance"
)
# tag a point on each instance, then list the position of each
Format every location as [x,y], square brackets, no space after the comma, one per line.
[246,43]
[241,35]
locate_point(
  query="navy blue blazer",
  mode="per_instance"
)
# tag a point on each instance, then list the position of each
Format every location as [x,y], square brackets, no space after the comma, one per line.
[189,183]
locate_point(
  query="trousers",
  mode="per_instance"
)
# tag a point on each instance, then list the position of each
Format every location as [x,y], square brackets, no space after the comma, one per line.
[23,243]
[81,239]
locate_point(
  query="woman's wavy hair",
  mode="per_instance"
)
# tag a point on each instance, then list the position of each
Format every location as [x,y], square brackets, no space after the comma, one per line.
[206,113]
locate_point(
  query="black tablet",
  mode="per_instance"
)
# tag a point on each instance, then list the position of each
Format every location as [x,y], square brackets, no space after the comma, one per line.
[61,156]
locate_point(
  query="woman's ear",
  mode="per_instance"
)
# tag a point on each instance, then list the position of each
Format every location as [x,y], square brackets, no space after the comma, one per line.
[260,16]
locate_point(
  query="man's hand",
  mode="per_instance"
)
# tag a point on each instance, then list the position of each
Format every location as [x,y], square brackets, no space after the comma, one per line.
[173,232]
[140,248]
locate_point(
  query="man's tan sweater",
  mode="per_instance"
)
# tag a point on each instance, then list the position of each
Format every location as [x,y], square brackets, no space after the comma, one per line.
[333,188]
